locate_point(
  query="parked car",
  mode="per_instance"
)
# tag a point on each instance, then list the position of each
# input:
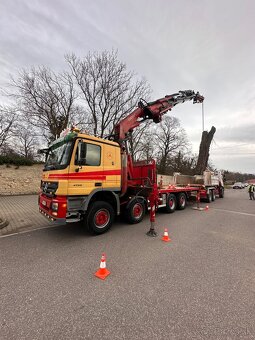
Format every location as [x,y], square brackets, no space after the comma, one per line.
[238,185]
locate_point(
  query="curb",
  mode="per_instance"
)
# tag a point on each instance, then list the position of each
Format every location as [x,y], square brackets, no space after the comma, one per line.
[19,194]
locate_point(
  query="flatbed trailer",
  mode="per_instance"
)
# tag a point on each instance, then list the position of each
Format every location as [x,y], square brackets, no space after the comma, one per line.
[210,185]
[175,197]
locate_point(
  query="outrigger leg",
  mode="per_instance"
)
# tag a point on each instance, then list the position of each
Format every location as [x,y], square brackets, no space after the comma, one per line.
[153,196]
[198,200]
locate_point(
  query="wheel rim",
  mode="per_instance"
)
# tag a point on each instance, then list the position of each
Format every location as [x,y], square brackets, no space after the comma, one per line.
[102,218]
[137,210]
[171,203]
[182,201]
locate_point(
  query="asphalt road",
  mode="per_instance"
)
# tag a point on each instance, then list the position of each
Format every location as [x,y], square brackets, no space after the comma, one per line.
[199,286]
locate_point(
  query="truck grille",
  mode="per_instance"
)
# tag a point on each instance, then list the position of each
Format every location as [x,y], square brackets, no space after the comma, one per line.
[49,188]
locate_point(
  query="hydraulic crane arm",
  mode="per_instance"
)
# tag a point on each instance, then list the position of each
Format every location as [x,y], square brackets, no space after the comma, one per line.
[153,110]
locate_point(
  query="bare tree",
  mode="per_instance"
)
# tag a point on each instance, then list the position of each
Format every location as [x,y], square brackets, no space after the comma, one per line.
[7,120]
[142,143]
[46,99]
[183,162]
[110,91]
[138,140]
[170,139]
[26,140]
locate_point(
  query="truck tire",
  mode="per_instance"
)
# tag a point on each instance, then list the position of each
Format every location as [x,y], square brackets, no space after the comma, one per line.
[209,197]
[170,203]
[100,217]
[181,201]
[221,192]
[134,213]
[213,195]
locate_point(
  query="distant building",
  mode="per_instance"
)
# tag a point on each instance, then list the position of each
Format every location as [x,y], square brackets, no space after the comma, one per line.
[251,181]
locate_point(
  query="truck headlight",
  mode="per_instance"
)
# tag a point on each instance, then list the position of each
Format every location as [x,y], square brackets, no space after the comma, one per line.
[54,206]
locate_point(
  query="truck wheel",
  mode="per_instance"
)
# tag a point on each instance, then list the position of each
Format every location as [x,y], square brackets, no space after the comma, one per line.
[221,194]
[209,197]
[213,195]
[170,203]
[135,211]
[100,217]
[181,201]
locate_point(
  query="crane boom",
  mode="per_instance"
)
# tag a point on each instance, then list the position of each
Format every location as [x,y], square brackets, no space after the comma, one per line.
[153,110]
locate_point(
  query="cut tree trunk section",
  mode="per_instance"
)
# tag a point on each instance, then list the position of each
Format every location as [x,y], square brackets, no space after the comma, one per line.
[204,148]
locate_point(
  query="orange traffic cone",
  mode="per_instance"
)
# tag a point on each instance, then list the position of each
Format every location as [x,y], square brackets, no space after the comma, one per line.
[166,238]
[102,272]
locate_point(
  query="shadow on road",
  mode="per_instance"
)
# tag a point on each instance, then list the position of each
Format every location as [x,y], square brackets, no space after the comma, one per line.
[78,230]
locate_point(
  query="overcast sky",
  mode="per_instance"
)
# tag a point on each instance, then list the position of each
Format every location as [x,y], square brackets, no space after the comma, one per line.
[203,45]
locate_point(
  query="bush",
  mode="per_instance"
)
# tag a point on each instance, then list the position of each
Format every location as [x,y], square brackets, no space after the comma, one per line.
[15,160]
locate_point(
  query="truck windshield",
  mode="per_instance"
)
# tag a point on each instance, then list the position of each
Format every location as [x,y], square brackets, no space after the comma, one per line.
[58,156]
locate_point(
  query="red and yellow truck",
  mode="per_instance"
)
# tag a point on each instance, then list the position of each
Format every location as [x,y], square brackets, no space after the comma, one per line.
[94,179]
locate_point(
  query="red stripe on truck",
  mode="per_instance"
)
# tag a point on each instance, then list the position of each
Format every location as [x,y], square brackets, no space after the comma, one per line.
[100,175]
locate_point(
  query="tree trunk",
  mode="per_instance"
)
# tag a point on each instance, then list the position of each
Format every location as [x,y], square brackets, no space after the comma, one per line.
[204,150]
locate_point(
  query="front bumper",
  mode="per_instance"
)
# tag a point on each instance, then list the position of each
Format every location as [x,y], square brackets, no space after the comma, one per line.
[45,207]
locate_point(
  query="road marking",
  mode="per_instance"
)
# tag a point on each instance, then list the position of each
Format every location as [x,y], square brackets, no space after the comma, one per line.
[234,212]
[29,231]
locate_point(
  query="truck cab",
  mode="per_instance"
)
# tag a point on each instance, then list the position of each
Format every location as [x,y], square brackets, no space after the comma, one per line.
[79,170]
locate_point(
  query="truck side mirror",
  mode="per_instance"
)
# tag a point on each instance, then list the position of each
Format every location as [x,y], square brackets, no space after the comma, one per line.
[82,150]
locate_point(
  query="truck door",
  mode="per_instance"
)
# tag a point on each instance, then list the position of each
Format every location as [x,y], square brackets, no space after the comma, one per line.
[86,172]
